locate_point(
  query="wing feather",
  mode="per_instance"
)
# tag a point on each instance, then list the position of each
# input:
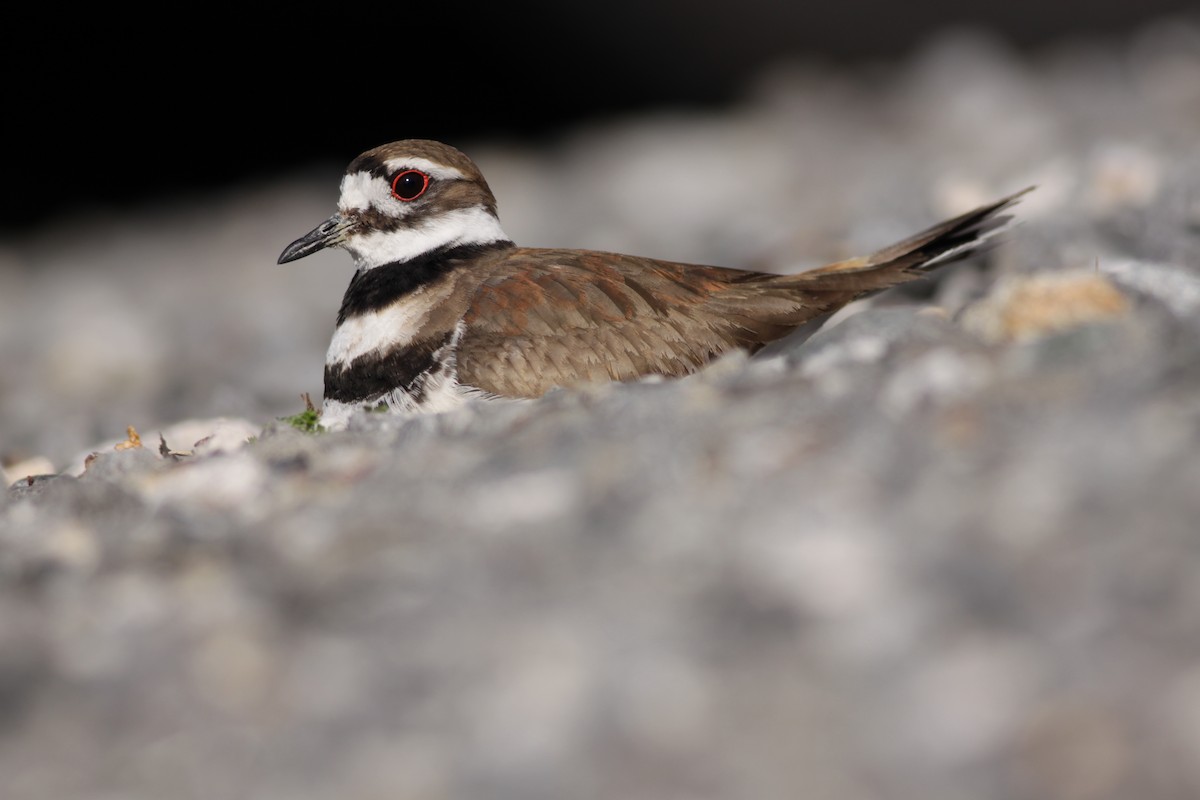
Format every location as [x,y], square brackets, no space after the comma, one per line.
[540,318]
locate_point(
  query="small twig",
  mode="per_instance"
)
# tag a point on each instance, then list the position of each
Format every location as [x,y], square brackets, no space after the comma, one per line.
[167,452]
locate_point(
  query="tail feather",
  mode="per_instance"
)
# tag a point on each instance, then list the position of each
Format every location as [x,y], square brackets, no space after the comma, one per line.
[941,244]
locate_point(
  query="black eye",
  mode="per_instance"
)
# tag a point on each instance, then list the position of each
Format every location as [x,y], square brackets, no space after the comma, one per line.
[409,185]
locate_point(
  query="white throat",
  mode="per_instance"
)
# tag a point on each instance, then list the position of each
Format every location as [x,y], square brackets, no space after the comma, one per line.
[458,227]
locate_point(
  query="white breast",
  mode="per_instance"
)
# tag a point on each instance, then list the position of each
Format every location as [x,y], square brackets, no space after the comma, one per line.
[394,326]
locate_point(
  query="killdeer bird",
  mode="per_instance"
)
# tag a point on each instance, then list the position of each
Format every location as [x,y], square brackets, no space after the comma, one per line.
[443,306]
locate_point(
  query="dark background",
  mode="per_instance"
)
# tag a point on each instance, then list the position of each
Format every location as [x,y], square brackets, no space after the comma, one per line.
[111,113]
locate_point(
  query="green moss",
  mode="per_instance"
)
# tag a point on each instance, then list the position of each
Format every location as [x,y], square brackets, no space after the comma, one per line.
[308,420]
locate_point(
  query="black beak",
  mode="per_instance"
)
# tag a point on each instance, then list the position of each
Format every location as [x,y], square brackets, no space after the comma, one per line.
[324,235]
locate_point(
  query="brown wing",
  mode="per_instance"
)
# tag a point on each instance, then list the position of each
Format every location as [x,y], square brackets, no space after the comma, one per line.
[540,318]
[564,318]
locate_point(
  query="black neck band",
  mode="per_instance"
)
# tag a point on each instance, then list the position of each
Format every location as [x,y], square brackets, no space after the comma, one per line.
[379,287]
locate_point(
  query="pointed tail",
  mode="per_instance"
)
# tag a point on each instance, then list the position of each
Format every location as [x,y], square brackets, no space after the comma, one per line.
[941,244]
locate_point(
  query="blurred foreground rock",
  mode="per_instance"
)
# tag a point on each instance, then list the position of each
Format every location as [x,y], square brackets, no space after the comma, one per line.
[944,548]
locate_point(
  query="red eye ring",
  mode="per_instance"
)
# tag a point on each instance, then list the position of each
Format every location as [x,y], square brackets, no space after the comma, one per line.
[409,185]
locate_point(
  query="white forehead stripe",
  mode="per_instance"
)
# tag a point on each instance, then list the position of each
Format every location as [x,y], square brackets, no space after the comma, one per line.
[430,168]
[361,190]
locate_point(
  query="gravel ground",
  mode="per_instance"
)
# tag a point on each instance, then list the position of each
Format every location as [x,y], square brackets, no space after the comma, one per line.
[944,548]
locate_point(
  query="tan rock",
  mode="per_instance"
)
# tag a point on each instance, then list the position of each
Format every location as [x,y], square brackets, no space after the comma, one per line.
[1030,306]
[26,468]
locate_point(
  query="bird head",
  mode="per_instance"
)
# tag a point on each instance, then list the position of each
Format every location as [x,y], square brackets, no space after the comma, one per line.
[402,201]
